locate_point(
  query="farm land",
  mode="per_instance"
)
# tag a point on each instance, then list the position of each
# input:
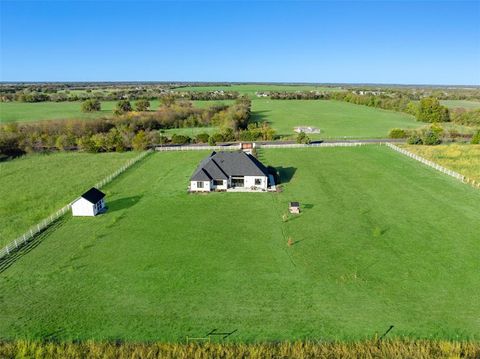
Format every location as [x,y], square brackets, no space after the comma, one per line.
[370,249]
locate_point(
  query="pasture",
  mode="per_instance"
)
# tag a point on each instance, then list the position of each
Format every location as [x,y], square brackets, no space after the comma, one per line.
[382,240]
[251,89]
[34,186]
[466,104]
[31,112]
[461,158]
[334,118]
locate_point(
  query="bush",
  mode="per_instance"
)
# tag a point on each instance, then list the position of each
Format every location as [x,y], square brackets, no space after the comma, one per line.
[142,105]
[303,138]
[180,139]
[91,105]
[215,138]
[202,138]
[397,133]
[430,110]
[431,138]
[414,140]
[123,106]
[140,141]
[476,138]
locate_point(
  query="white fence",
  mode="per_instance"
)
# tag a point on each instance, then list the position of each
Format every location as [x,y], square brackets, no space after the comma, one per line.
[258,145]
[198,148]
[434,165]
[44,224]
[327,144]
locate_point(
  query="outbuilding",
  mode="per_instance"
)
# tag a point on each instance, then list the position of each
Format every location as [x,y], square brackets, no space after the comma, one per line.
[90,203]
[294,207]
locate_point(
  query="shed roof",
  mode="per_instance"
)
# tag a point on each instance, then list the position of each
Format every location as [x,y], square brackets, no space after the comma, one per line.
[93,195]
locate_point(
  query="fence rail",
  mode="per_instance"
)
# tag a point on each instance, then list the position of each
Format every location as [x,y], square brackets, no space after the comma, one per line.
[237,147]
[434,165]
[30,234]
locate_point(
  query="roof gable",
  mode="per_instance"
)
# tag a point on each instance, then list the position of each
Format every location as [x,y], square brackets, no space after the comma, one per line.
[93,195]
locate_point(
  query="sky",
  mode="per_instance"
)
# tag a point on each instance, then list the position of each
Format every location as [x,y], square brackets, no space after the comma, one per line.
[407,42]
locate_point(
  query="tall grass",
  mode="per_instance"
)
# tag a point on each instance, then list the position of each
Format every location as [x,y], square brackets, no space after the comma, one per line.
[367,349]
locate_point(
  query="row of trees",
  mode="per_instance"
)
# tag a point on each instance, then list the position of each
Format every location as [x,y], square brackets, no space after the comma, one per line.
[127,130]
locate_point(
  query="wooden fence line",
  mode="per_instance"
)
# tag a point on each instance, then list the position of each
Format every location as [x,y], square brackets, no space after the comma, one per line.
[436,166]
[30,234]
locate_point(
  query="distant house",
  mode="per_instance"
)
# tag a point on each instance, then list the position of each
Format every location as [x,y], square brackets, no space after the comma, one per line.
[230,171]
[90,203]
[306,129]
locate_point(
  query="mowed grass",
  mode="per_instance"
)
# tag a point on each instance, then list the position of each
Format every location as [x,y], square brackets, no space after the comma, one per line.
[462,158]
[333,118]
[466,104]
[382,240]
[35,186]
[32,112]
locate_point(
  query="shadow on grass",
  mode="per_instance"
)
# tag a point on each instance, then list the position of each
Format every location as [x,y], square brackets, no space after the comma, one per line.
[123,203]
[10,259]
[259,116]
[286,173]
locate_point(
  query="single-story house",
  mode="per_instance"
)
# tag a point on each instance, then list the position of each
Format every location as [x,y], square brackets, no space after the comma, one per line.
[229,171]
[90,203]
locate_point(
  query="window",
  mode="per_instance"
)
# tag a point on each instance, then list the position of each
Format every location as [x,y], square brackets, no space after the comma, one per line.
[218,182]
[258,181]
[199,184]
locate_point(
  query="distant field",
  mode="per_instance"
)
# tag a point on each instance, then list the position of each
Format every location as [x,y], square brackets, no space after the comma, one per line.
[382,241]
[251,88]
[462,158]
[468,105]
[35,186]
[333,118]
[26,112]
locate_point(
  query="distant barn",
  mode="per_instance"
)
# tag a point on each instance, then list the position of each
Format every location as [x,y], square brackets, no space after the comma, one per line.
[90,203]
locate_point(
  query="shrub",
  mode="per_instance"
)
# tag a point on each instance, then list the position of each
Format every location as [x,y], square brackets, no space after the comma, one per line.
[431,138]
[140,141]
[142,105]
[430,110]
[123,106]
[414,140]
[397,133]
[215,138]
[303,138]
[202,138]
[476,138]
[180,139]
[91,105]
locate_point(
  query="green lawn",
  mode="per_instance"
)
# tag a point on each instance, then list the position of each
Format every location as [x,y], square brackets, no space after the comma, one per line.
[382,240]
[35,186]
[333,118]
[26,112]
[468,105]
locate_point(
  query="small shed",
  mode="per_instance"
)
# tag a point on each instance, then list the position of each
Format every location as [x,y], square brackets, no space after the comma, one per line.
[294,207]
[89,204]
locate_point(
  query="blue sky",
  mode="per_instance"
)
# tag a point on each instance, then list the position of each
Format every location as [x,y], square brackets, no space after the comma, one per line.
[432,42]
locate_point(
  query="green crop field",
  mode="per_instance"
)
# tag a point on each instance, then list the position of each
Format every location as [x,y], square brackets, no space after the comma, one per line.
[251,89]
[372,248]
[35,186]
[333,118]
[468,105]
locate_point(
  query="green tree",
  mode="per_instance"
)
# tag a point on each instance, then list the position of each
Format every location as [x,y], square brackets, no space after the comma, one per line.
[167,100]
[123,106]
[303,138]
[140,141]
[202,138]
[142,105]
[430,110]
[91,105]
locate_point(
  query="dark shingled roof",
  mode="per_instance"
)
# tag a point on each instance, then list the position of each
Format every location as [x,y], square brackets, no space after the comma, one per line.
[221,165]
[93,195]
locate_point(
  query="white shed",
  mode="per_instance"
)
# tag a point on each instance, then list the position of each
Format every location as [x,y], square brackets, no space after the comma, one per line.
[90,203]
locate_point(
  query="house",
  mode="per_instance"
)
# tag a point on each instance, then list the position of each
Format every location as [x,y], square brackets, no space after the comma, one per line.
[230,171]
[294,207]
[306,129]
[90,203]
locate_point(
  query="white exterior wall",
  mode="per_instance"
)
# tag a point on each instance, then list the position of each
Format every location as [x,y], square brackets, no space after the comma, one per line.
[207,185]
[221,187]
[82,207]
[250,181]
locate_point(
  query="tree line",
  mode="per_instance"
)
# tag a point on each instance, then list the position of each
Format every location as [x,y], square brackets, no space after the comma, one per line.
[126,130]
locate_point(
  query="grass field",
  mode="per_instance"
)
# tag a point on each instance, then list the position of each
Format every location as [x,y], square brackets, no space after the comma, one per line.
[251,89]
[35,186]
[468,105]
[382,241]
[333,118]
[29,112]
[462,158]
